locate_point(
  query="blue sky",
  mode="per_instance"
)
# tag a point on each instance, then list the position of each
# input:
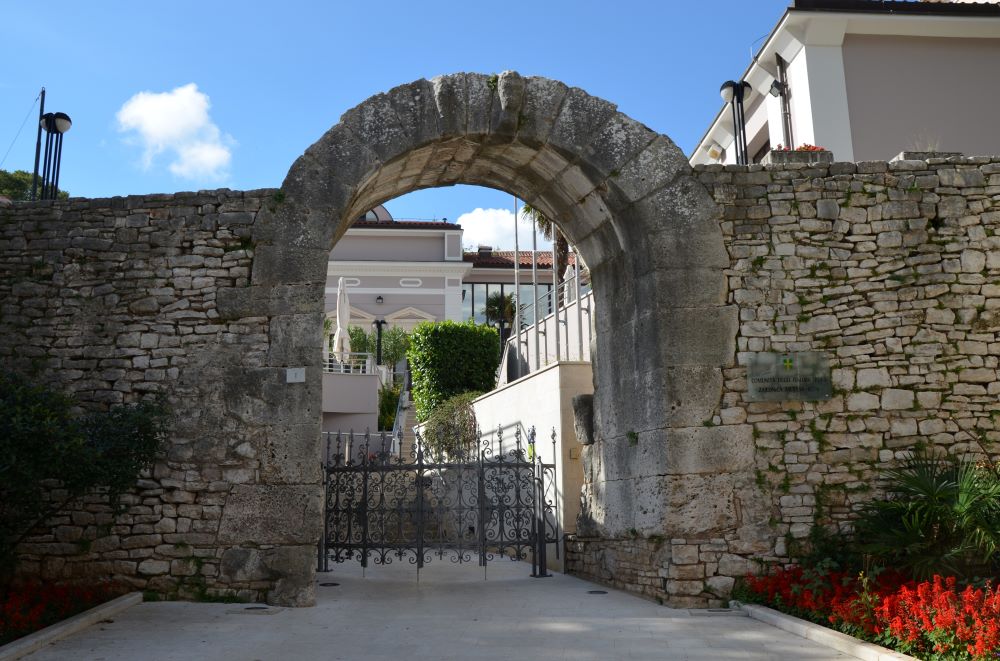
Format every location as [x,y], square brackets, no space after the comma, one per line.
[235,92]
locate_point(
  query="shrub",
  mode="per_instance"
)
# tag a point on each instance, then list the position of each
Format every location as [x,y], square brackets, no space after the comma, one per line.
[447,359]
[451,428]
[388,400]
[44,442]
[942,515]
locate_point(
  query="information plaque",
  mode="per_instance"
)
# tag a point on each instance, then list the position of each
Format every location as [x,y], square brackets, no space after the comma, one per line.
[776,377]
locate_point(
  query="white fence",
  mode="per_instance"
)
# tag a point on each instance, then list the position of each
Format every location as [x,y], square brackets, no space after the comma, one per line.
[564,335]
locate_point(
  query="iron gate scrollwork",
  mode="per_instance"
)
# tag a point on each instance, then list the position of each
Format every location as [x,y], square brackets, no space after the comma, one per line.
[386,503]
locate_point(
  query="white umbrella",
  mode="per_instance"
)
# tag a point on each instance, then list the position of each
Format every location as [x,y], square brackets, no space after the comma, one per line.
[341,338]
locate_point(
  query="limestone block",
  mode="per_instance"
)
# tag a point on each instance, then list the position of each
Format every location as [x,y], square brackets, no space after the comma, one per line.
[966,177]
[721,586]
[153,567]
[862,401]
[683,554]
[873,377]
[973,261]
[689,588]
[711,342]
[272,514]
[286,265]
[819,323]
[894,399]
[291,454]
[542,100]
[295,569]
[733,565]
[904,427]
[978,375]
[616,145]
[414,105]
[683,287]
[940,316]
[583,418]
[295,340]
[827,209]
[581,118]
[678,227]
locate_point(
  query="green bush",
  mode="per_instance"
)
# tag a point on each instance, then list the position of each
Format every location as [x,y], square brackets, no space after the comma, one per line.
[942,516]
[388,400]
[451,428]
[44,442]
[448,358]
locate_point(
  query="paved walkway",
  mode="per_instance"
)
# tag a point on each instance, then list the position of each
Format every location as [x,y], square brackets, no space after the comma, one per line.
[451,614]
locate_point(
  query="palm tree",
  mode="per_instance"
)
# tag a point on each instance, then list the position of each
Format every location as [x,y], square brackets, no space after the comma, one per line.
[500,309]
[560,245]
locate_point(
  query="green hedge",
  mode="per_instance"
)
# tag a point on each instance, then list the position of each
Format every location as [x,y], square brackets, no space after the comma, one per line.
[447,359]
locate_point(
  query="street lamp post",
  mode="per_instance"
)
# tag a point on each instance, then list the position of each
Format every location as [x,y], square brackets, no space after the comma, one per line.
[55,125]
[733,93]
[378,323]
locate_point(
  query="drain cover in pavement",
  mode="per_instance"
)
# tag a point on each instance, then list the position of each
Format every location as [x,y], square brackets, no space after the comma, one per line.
[597,591]
[328,585]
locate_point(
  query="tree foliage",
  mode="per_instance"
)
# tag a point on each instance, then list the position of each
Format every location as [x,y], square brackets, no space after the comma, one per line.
[448,358]
[452,429]
[942,515]
[44,444]
[395,342]
[17,185]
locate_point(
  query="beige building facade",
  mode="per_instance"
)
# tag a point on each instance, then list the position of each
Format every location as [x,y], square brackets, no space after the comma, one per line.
[868,80]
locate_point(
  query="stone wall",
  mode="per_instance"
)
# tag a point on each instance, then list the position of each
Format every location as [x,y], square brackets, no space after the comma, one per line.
[892,270]
[117,299]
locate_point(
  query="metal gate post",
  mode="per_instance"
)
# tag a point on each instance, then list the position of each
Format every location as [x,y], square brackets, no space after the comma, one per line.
[538,474]
[481,478]
[419,479]
[323,562]
[363,508]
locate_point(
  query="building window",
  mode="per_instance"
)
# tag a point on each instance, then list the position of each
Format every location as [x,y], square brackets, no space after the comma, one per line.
[474,300]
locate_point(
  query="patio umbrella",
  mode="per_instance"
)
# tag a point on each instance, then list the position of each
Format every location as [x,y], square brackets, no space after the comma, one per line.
[341,338]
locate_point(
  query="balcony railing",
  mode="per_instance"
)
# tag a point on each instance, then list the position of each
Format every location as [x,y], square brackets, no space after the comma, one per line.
[350,363]
[564,335]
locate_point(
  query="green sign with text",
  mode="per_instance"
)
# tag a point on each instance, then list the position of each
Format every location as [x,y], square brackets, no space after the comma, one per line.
[778,377]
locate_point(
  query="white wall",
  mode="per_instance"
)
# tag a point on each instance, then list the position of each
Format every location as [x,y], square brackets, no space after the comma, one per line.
[544,400]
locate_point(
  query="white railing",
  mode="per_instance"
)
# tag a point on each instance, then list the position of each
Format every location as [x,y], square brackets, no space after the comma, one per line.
[351,363]
[564,335]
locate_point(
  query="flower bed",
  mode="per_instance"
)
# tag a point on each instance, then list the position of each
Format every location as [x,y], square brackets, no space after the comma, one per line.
[33,606]
[933,619]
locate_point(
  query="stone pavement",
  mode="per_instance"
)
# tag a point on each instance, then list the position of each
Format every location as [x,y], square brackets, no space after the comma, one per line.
[450,614]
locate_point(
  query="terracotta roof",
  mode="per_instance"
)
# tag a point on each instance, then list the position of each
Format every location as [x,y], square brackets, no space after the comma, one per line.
[902,7]
[501,259]
[406,224]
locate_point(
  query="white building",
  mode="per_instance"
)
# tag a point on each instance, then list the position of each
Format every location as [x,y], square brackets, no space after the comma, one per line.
[868,79]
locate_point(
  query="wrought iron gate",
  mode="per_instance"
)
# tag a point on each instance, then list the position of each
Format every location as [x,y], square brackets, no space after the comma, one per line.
[386,503]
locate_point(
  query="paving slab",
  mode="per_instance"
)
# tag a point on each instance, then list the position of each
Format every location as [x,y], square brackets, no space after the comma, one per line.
[451,613]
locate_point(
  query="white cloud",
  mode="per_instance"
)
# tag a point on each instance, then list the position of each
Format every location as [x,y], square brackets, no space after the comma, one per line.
[495,227]
[177,122]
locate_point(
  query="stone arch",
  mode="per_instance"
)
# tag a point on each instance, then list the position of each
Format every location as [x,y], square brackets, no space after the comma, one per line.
[623,194]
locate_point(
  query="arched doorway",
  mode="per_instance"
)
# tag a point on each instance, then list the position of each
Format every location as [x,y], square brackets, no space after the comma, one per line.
[624,195]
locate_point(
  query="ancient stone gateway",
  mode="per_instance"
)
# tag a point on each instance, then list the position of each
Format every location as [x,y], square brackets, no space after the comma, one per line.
[622,194]
[210,297]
